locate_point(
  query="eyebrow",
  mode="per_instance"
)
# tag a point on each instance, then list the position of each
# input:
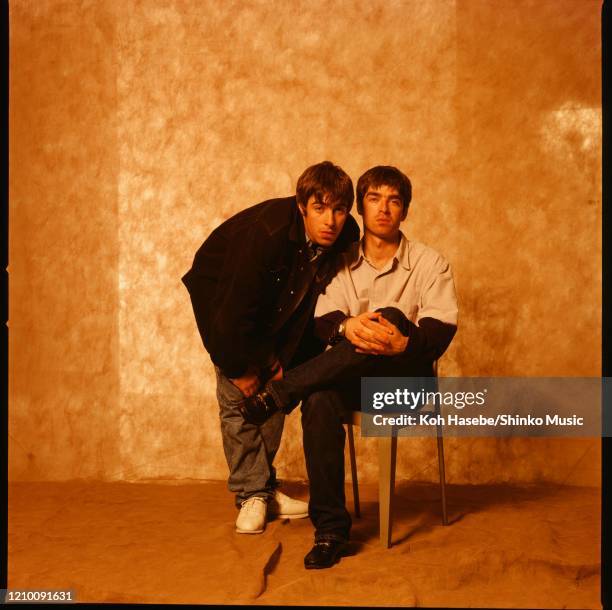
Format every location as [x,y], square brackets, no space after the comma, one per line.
[378,194]
[328,204]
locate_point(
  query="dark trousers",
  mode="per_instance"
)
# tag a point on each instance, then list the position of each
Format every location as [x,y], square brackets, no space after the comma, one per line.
[328,385]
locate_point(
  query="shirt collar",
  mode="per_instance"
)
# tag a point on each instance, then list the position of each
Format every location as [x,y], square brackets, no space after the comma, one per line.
[314,250]
[401,254]
[360,255]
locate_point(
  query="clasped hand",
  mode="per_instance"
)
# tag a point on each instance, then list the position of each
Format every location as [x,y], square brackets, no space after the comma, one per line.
[250,382]
[372,334]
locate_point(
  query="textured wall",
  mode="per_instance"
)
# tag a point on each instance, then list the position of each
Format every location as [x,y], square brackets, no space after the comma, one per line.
[137,129]
[63,247]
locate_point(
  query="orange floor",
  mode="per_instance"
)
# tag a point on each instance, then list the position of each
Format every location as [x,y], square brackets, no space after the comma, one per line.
[529,547]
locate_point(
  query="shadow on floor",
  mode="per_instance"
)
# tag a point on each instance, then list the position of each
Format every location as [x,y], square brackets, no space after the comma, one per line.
[120,542]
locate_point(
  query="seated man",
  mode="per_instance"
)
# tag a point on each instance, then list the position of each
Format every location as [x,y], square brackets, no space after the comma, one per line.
[390,311]
[254,284]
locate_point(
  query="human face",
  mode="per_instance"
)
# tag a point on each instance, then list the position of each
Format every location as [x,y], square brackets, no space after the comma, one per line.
[383,211]
[324,220]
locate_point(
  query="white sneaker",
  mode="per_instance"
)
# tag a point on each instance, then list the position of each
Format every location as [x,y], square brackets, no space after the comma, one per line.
[284,507]
[252,516]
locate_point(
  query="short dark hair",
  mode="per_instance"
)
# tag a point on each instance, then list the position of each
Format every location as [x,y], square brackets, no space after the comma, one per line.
[325,179]
[384,175]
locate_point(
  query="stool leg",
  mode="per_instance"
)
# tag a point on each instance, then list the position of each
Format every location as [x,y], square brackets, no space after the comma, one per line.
[387,452]
[442,474]
[351,440]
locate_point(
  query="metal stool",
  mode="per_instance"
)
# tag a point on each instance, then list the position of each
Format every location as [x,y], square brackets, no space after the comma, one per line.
[387,454]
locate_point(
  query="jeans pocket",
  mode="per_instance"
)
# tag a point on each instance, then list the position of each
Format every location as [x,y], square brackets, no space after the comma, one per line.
[227,392]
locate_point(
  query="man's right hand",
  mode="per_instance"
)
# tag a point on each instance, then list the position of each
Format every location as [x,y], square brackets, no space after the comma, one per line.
[249,383]
[365,339]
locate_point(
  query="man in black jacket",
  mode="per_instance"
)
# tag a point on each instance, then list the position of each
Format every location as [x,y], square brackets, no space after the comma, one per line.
[254,284]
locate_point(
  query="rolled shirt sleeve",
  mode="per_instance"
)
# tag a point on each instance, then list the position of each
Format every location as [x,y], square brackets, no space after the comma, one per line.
[334,298]
[438,298]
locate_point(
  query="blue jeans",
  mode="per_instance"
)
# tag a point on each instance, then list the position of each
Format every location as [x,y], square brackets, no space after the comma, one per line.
[249,449]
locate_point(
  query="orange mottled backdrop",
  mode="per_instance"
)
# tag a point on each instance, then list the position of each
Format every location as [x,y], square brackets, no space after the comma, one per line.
[137,127]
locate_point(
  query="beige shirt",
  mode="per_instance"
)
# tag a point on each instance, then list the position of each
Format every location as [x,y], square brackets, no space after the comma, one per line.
[417,280]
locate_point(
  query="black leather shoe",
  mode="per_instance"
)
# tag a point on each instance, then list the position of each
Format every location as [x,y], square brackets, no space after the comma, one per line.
[324,554]
[257,409]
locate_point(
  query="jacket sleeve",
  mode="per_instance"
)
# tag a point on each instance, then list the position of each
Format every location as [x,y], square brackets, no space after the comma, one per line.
[236,337]
[199,293]
[437,317]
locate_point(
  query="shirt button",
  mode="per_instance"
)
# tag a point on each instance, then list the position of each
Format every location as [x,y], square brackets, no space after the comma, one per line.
[278,279]
[292,292]
[301,268]
[280,309]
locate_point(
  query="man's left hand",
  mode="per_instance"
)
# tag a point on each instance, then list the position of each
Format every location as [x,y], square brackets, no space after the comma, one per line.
[389,339]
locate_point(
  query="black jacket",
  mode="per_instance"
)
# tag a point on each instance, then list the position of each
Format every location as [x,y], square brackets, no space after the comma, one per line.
[252,288]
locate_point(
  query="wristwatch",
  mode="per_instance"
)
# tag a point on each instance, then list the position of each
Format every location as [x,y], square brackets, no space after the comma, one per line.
[339,332]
